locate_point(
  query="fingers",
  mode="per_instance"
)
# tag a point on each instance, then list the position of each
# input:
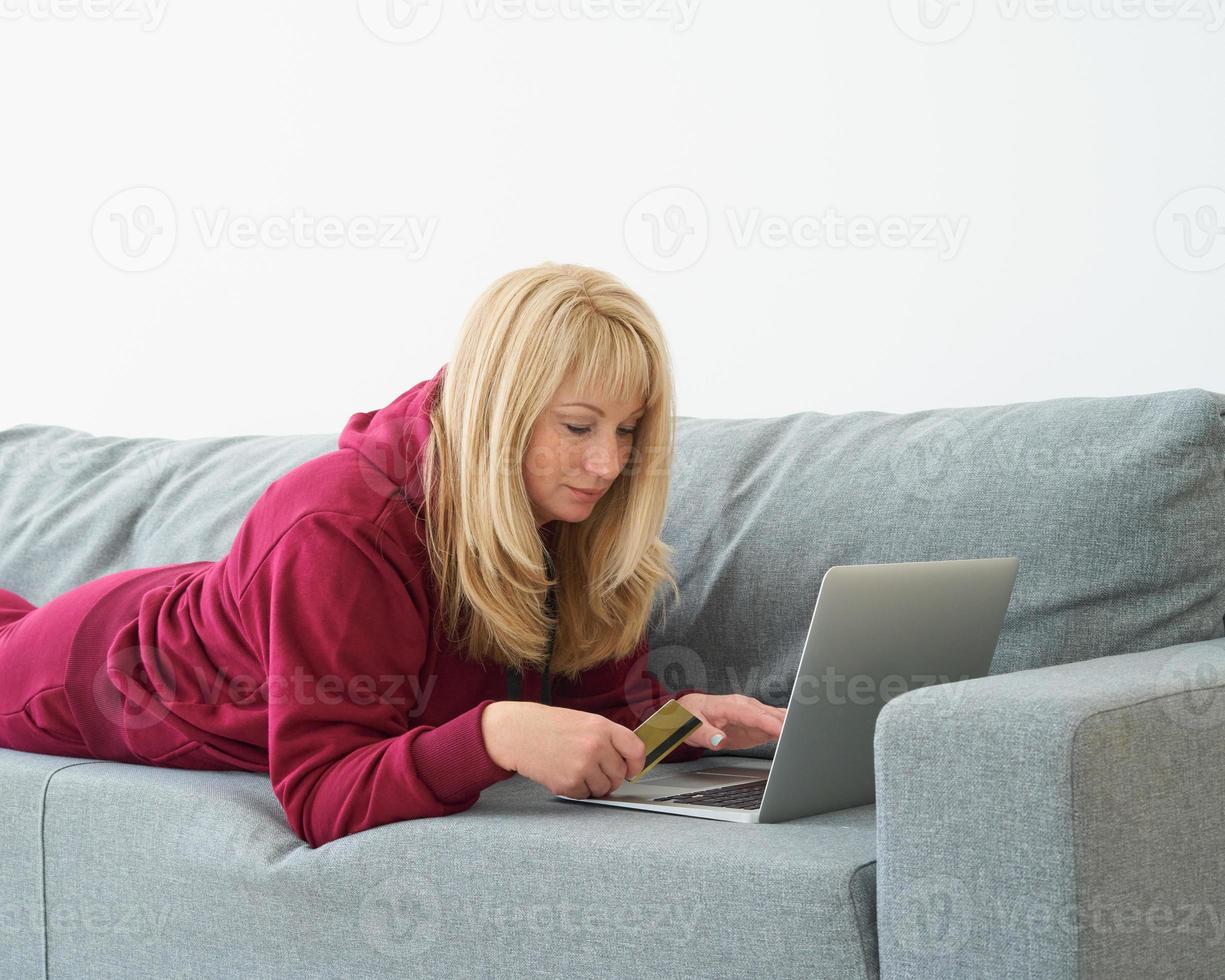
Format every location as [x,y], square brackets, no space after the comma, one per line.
[704,735]
[631,752]
[744,710]
[750,717]
[742,720]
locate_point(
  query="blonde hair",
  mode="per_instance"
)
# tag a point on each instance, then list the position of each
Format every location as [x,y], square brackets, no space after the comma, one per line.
[525,333]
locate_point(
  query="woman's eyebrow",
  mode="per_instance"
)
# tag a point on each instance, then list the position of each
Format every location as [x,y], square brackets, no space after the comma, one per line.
[598,411]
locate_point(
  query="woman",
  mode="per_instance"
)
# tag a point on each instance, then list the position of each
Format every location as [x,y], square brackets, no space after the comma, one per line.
[460,591]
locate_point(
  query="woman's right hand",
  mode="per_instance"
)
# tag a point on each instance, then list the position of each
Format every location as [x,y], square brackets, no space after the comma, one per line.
[570,753]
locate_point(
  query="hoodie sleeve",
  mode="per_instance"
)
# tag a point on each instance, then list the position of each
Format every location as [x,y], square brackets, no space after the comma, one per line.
[627,693]
[339,630]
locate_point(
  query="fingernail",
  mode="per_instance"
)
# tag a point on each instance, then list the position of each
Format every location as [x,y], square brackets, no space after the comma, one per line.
[717,739]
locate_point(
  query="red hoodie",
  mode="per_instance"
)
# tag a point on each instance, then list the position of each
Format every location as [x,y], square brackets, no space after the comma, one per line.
[310,651]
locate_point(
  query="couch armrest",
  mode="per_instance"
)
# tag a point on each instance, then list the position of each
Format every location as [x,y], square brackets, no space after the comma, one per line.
[1067,821]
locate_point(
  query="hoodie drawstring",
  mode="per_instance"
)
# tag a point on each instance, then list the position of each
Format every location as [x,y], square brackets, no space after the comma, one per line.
[514,678]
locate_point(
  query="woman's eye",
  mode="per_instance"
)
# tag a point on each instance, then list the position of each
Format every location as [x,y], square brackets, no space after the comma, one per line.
[580,430]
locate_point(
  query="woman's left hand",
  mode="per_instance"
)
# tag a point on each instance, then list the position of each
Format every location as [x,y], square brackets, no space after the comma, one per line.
[741,720]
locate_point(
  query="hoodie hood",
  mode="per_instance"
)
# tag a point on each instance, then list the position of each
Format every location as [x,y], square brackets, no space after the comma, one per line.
[391,441]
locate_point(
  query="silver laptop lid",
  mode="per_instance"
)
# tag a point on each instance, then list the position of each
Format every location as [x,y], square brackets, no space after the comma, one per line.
[877,631]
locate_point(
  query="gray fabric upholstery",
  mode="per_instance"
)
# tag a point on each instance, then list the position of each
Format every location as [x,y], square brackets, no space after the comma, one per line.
[137,502]
[154,872]
[1114,506]
[24,779]
[1067,821]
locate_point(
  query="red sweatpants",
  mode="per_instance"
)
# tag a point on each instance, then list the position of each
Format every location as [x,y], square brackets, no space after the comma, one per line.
[43,648]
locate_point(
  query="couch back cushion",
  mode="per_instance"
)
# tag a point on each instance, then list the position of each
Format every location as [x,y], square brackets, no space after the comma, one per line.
[1114,506]
[75,506]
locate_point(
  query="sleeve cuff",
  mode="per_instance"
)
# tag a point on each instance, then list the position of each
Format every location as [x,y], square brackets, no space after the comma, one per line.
[451,758]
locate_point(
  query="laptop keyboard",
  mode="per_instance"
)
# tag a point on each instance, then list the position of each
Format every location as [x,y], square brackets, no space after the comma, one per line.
[739,796]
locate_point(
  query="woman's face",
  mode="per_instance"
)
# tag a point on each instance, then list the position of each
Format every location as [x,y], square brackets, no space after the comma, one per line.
[576,447]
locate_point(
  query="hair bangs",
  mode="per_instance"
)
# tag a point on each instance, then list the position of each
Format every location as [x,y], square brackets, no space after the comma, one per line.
[610,361]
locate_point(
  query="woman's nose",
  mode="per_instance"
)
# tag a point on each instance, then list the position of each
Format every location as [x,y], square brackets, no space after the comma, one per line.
[602,462]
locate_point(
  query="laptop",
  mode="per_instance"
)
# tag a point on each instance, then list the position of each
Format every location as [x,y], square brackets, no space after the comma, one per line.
[876,631]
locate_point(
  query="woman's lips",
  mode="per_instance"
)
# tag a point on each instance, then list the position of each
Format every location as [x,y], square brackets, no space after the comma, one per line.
[586,495]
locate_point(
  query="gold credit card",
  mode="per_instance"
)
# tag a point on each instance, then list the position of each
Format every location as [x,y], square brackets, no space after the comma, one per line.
[664,731]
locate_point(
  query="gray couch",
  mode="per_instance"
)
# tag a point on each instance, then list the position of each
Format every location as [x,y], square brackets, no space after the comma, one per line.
[1062,817]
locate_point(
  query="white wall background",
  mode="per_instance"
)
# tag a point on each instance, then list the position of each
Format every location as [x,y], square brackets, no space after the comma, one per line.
[1036,187]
